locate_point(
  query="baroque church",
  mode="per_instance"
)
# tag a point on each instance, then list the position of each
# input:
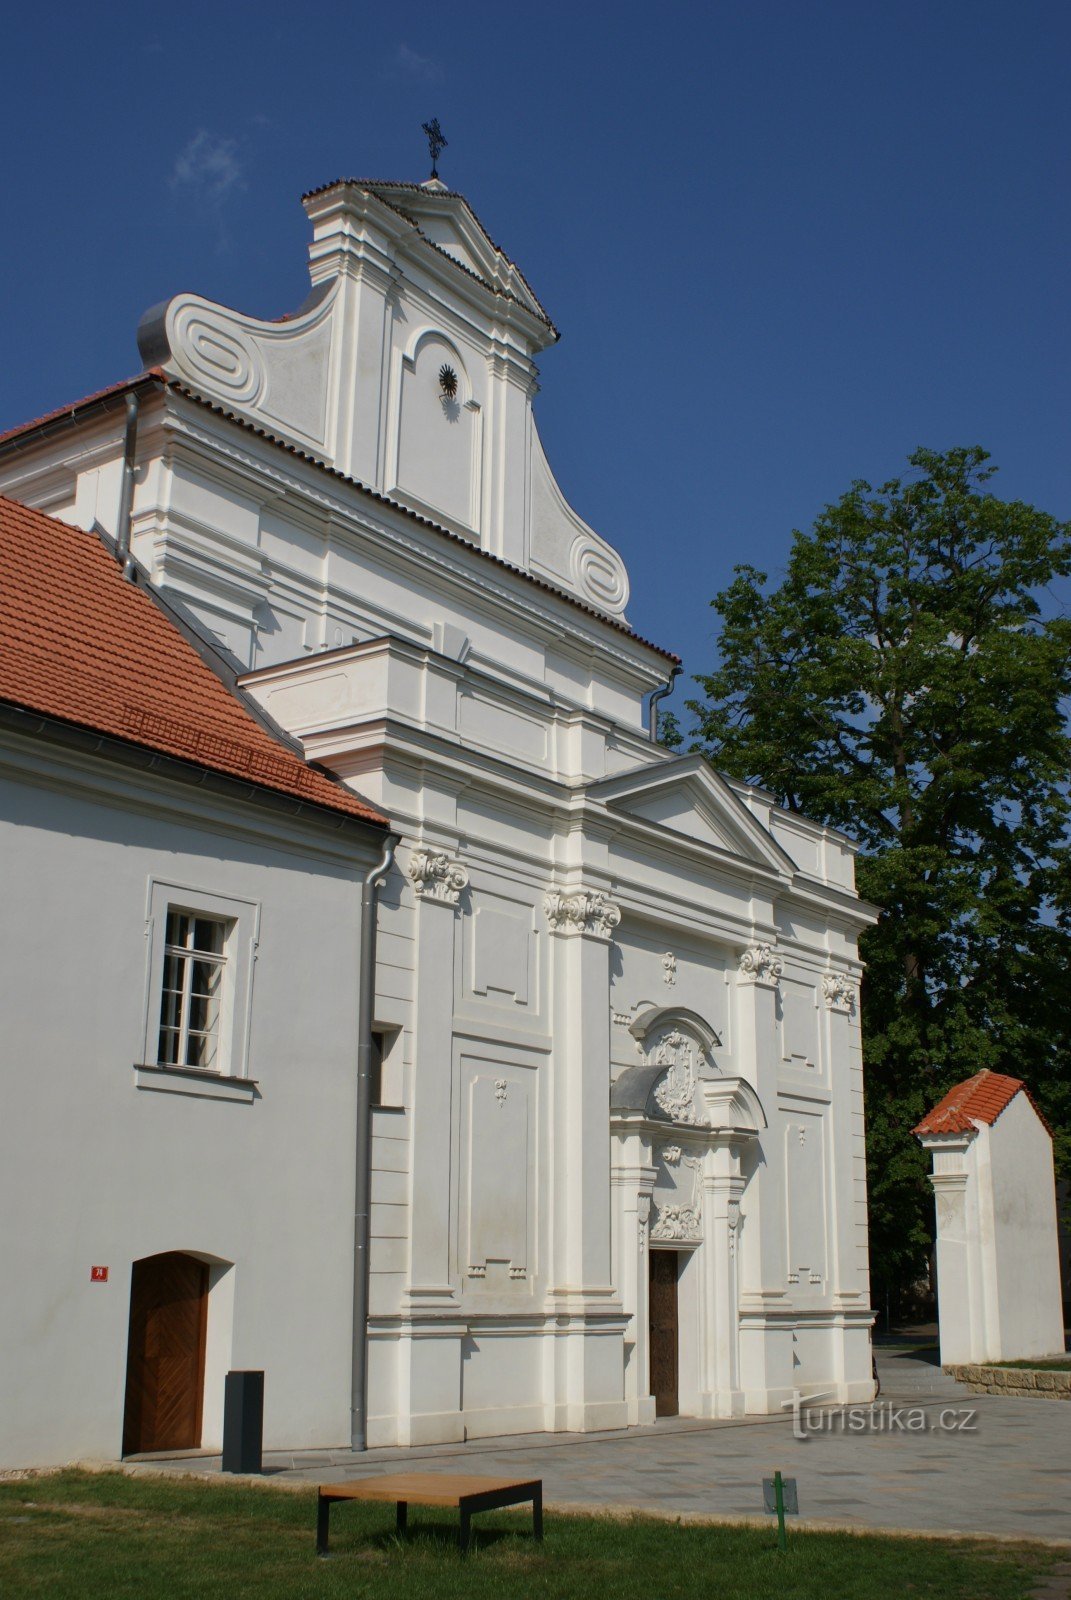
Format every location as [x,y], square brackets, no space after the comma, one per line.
[616,1153]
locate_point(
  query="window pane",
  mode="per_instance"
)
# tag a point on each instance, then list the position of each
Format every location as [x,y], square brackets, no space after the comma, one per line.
[205,976]
[204,1013]
[169,1047]
[208,935]
[170,1009]
[202,1050]
[178,928]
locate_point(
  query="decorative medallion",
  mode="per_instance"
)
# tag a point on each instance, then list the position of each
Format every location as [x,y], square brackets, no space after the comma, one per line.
[675,1090]
[448,381]
[437,876]
[582,912]
[760,964]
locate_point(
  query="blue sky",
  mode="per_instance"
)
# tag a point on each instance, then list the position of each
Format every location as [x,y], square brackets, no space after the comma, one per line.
[785,242]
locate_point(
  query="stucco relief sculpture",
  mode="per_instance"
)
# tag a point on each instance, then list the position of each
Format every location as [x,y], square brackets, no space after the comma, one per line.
[734,1223]
[839,993]
[761,964]
[437,876]
[669,968]
[675,1091]
[643,1213]
[583,912]
[678,1221]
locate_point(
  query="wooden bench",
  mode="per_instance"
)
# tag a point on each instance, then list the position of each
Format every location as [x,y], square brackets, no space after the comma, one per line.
[461,1493]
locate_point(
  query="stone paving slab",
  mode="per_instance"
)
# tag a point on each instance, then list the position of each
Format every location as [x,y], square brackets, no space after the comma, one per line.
[927,1457]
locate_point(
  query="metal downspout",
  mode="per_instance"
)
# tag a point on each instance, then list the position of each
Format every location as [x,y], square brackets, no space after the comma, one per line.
[652,704]
[126,491]
[371,883]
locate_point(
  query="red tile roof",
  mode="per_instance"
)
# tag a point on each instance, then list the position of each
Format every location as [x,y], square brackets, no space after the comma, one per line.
[979,1099]
[81,644]
[63,413]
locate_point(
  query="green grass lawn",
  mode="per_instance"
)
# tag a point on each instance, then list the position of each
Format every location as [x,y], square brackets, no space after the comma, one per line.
[110,1536]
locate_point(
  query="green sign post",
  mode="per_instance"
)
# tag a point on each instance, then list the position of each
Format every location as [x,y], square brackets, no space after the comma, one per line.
[780,1499]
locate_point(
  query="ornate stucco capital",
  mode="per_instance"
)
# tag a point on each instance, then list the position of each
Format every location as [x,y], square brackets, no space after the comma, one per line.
[435,875]
[838,992]
[761,965]
[582,912]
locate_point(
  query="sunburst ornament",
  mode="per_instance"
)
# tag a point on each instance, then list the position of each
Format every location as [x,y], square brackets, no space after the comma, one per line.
[448,381]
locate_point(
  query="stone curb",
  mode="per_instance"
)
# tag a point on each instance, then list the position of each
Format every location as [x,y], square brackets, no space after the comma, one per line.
[1017,1383]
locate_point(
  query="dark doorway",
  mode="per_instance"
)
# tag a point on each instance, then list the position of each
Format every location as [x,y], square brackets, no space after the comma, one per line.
[165,1362]
[662,1305]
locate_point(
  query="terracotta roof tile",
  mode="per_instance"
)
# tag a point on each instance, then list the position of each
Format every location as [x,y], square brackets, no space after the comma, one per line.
[978,1099]
[83,645]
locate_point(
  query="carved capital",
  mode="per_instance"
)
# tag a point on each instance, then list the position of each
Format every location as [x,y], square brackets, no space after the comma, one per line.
[839,993]
[437,876]
[762,965]
[582,912]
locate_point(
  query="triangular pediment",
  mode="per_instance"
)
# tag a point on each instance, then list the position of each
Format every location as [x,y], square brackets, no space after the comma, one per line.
[447,221]
[687,797]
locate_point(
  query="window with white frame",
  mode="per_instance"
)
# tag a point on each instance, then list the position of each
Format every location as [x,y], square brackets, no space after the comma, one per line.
[200,957]
[192,994]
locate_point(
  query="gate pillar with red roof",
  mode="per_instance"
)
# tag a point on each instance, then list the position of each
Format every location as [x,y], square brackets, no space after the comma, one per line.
[998,1270]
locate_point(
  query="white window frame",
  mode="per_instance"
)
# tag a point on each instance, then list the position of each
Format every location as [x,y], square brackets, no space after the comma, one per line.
[181,961]
[236,1001]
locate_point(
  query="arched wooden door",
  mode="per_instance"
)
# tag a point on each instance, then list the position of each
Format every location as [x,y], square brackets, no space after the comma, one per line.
[165,1363]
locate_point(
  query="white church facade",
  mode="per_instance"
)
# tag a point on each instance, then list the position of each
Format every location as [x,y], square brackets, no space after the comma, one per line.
[617,1149]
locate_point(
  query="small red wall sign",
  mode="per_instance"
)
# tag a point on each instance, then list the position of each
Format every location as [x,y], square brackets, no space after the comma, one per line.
[98,1274]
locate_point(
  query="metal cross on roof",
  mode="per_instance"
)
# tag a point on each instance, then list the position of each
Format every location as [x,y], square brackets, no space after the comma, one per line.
[436,143]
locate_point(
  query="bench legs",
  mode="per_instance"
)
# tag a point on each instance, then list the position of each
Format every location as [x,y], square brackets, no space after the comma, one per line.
[323,1522]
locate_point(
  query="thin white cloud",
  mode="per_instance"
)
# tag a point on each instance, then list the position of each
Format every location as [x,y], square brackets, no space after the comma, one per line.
[417,68]
[208,166]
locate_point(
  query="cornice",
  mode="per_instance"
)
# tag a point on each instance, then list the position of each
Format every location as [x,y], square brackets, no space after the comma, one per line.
[352,518]
[77,762]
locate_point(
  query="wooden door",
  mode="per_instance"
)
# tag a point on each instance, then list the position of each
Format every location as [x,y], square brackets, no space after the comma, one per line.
[662,1307]
[165,1363]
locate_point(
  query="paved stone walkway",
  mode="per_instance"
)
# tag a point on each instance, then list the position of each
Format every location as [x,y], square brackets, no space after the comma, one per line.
[1003,1468]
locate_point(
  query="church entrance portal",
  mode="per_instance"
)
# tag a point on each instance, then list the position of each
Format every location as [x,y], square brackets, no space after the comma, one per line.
[664,1337]
[165,1364]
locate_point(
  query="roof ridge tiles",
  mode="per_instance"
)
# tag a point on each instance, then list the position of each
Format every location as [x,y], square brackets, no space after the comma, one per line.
[978,1099]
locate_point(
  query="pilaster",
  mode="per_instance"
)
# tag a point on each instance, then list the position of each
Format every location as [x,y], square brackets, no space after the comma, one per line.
[438,881]
[587,1384]
[765,1335]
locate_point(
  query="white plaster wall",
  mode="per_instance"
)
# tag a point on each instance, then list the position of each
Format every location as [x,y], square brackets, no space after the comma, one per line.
[1019,1233]
[94,1171]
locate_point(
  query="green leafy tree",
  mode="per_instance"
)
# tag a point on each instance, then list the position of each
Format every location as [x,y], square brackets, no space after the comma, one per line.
[904,684]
